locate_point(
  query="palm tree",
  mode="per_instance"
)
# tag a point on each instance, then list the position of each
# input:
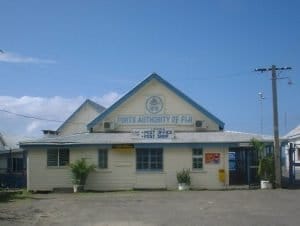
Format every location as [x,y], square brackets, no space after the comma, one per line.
[80,171]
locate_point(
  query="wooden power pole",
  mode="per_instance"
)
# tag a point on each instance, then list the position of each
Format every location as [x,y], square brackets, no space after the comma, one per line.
[277,154]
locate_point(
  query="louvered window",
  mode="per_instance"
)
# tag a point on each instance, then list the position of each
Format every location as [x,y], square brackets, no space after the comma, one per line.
[102,158]
[58,157]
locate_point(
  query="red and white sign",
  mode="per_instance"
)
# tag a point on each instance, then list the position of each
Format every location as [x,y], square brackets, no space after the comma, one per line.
[212,158]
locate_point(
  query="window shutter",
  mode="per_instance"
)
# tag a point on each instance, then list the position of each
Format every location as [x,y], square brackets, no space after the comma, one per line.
[102,159]
[63,157]
[52,157]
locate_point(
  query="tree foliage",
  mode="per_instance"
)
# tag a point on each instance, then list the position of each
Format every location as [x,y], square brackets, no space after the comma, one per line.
[80,171]
[183,177]
[266,166]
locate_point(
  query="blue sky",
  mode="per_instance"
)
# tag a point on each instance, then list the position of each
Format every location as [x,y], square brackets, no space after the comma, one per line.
[71,50]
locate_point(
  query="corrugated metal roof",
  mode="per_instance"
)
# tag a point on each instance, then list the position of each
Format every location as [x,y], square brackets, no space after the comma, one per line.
[19,150]
[128,138]
[294,133]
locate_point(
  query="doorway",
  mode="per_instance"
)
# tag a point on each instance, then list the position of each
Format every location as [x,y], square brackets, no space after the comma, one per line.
[243,164]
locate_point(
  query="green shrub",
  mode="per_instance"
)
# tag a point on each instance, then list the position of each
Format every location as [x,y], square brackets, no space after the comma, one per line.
[266,170]
[266,167]
[80,171]
[183,176]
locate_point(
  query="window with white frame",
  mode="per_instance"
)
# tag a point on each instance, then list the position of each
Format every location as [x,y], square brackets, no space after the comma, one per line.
[58,157]
[102,158]
[197,158]
[149,159]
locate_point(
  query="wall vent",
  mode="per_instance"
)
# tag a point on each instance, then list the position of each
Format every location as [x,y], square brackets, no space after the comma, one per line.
[109,125]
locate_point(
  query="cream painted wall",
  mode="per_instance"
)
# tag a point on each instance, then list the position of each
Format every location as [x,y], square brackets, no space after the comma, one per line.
[121,173]
[179,158]
[173,104]
[43,178]
[78,123]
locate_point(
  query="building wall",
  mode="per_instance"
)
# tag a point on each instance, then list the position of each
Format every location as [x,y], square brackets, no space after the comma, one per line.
[77,124]
[172,105]
[121,173]
[285,171]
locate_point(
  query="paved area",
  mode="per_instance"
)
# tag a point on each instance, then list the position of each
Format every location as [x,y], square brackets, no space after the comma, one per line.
[240,207]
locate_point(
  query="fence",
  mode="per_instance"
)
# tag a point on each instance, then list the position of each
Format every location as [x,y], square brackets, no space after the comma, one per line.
[13,180]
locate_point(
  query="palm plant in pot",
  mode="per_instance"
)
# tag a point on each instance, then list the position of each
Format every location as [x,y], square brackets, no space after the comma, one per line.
[184,179]
[80,170]
[266,170]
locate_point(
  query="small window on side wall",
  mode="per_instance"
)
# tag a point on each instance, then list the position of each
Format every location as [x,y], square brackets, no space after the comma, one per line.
[58,157]
[198,158]
[102,158]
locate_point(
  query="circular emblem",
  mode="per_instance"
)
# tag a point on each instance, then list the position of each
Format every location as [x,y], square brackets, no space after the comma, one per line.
[154,104]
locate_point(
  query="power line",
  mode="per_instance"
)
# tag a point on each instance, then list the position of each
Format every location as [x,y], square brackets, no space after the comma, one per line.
[36,117]
[275,77]
[225,76]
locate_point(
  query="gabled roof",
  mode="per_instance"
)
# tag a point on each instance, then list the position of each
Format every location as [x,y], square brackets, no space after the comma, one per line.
[294,133]
[165,83]
[94,105]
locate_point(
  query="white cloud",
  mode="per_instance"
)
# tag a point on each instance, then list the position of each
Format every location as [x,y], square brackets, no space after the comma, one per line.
[107,99]
[9,57]
[54,108]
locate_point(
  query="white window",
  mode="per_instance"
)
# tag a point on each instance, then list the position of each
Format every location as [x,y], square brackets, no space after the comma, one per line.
[102,159]
[58,157]
[149,159]
[198,158]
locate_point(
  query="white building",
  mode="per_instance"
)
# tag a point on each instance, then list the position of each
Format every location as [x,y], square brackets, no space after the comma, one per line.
[293,138]
[141,141]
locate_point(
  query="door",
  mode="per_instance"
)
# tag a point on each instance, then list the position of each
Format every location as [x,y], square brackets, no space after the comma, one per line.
[238,167]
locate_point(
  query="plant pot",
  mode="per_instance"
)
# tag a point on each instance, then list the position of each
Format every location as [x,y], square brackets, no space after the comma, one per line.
[77,188]
[183,187]
[265,184]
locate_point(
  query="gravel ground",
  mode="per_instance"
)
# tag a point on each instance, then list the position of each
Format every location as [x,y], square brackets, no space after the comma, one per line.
[148,208]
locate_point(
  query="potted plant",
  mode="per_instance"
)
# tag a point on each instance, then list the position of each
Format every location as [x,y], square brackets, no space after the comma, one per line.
[265,165]
[80,170]
[184,180]
[266,172]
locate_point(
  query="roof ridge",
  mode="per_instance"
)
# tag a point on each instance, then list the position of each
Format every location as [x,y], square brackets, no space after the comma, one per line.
[294,132]
[98,107]
[95,105]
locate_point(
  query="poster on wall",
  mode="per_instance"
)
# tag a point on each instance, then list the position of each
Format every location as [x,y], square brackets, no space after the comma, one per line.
[212,158]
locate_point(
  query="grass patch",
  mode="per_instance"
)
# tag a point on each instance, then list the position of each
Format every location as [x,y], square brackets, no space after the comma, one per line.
[12,195]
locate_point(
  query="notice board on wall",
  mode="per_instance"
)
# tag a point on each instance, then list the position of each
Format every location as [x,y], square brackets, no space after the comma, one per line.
[212,158]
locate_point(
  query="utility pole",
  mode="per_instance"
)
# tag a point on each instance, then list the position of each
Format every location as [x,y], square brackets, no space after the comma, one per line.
[261,98]
[275,121]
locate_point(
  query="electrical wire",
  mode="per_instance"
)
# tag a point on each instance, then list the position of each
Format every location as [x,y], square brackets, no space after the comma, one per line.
[36,117]
[231,75]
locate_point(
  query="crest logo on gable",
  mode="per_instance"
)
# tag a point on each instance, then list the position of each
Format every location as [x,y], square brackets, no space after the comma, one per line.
[154,104]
